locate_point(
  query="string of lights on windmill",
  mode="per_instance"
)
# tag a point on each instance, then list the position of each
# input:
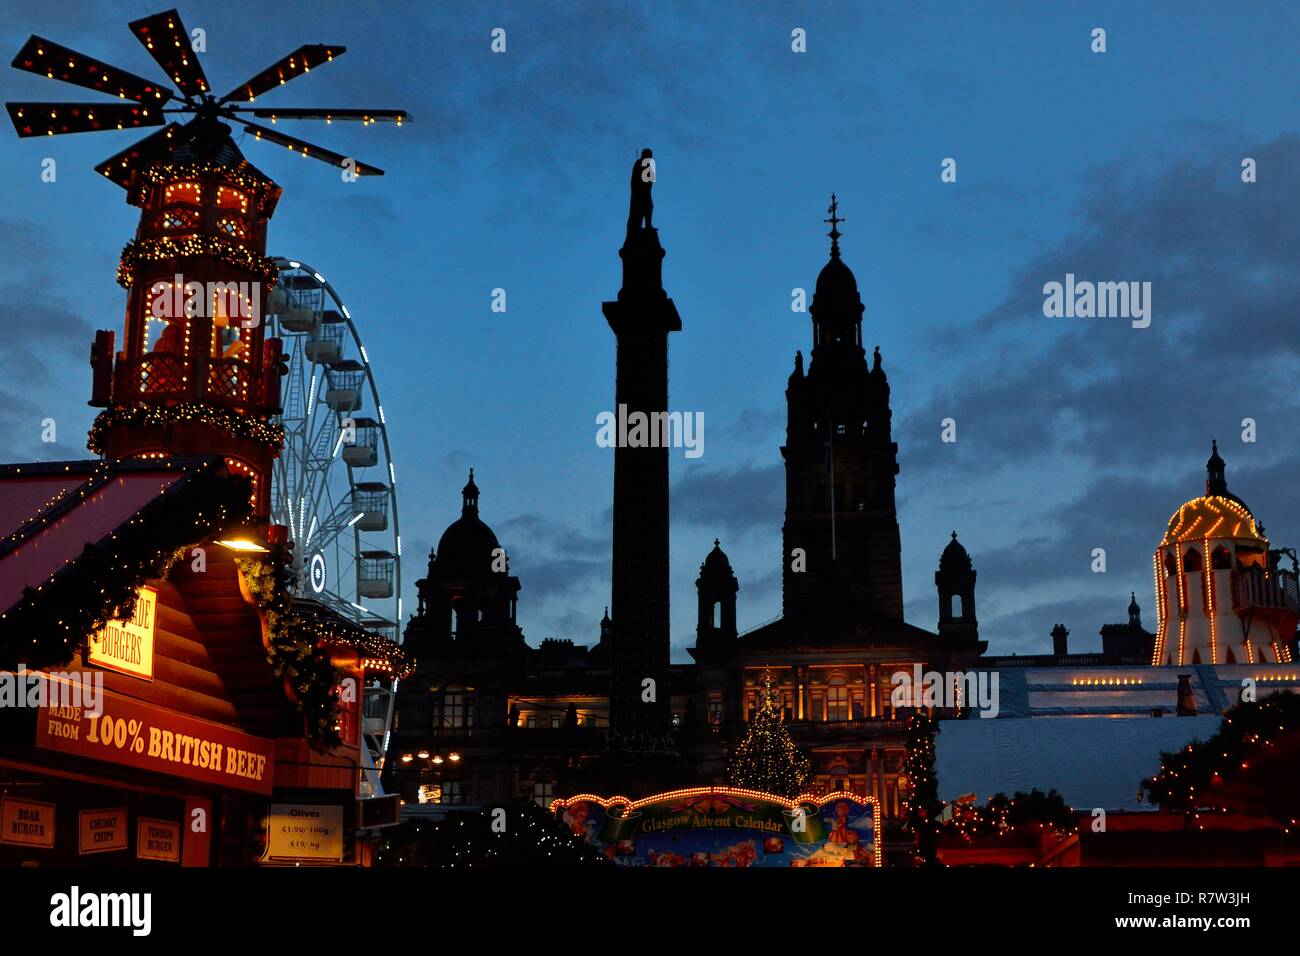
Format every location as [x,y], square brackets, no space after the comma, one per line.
[146,103]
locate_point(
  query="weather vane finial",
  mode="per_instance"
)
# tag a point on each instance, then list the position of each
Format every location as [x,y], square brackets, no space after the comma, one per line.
[834,220]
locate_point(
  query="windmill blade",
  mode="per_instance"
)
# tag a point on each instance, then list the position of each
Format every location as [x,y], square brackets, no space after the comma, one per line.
[121,167]
[297,63]
[58,62]
[304,148]
[55,119]
[366,117]
[168,42]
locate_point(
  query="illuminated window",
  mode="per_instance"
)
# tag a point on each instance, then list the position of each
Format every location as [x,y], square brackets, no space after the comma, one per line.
[175,220]
[228,198]
[188,193]
[837,699]
[233,228]
[1192,560]
[457,710]
[543,793]
[1248,557]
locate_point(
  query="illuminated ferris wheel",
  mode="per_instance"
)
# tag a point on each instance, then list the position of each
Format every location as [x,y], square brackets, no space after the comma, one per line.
[334,486]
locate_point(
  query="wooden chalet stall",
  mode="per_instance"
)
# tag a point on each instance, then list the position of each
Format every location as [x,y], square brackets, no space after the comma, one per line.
[179,718]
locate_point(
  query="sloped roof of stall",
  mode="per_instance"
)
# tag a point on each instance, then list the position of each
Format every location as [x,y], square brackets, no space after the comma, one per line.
[75,535]
[1091,761]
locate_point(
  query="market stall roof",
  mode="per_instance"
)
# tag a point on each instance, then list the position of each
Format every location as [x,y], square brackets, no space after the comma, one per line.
[333,628]
[1091,761]
[77,537]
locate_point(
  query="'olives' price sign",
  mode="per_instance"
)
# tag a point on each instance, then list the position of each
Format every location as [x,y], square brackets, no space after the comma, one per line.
[303,833]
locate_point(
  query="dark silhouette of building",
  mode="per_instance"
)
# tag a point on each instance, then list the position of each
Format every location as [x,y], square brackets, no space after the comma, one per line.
[955,580]
[841,527]
[716,589]
[641,318]
[1129,640]
[565,718]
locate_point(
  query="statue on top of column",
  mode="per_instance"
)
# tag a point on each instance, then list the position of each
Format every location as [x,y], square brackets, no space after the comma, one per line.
[643,180]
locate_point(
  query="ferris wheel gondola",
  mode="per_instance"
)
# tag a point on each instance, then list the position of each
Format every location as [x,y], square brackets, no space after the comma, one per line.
[334,486]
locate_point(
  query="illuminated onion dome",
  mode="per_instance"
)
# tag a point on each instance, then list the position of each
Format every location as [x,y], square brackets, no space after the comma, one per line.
[1218,513]
[1220,596]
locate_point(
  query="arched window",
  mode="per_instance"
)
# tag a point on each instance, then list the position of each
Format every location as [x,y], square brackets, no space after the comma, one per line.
[717,614]
[1170,567]
[1191,560]
[190,194]
[1220,559]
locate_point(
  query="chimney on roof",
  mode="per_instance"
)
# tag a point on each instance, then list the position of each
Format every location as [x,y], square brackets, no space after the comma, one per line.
[1059,635]
[1186,699]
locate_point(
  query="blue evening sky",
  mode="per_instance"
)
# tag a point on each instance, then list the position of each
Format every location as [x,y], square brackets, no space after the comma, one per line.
[1073,434]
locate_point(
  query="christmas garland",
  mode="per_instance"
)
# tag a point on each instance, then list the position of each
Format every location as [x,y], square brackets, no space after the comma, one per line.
[53,620]
[161,416]
[1002,815]
[164,248]
[372,646]
[1188,777]
[295,653]
[532,837]
[166,173]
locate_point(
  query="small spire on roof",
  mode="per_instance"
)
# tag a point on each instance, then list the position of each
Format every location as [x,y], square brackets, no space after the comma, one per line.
[834,220]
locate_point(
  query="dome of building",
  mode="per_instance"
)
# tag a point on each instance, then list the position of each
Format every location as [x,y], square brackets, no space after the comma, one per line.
[836,283]
[468,546]
[1216,514]
[716,562]
[1212,516]
[954,557]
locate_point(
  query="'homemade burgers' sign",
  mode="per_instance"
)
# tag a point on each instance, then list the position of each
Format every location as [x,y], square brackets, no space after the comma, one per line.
[126,646]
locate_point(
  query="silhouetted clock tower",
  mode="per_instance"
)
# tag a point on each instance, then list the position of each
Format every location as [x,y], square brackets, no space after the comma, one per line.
[840,461]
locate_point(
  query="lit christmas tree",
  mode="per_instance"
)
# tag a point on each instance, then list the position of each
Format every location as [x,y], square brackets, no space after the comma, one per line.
[767,758]
[923,805]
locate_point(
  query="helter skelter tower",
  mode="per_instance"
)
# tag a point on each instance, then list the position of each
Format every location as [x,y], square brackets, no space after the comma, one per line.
[195,374]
